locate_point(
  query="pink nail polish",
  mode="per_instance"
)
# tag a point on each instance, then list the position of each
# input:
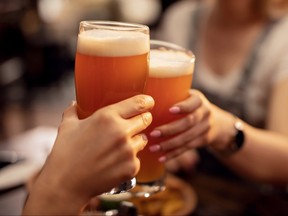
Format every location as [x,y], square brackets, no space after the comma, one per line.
[154,148]
[174,110]
[162,159]
[155,133]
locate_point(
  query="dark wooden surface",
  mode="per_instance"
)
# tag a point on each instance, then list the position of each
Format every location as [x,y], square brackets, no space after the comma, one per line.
[218,196]
[215,198]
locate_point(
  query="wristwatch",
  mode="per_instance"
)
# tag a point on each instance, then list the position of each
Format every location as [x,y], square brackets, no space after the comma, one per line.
[237,141]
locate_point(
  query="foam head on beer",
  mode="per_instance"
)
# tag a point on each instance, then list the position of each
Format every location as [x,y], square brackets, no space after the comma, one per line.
[110,66]
[170,63]
[112,43]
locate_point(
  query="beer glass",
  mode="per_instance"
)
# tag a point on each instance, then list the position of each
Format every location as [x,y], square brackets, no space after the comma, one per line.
[170,78]
[111,65]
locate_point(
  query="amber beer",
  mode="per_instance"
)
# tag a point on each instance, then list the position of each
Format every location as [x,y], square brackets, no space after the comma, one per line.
[169,81]
[111,64]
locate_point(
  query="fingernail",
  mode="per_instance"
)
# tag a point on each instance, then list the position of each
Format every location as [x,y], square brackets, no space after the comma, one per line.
[144,137]
[155,148]
[162,159]
[149,99]
[73,103]
[174,110]
[155,133]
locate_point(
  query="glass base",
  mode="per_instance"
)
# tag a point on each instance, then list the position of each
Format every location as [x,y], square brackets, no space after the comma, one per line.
[123,187]
[148,188]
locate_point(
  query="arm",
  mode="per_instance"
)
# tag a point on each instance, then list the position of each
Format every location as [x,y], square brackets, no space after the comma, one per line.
[264,152]
[90,157]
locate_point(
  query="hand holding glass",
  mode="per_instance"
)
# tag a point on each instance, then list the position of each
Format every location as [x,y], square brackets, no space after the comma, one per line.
[111,65]
[170,78]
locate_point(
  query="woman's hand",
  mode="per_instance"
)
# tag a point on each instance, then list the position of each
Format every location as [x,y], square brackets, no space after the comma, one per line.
[92,155]
[190,132]
[186,162]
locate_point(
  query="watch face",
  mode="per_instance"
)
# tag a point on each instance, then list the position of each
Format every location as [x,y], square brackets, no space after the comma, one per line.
[239,138]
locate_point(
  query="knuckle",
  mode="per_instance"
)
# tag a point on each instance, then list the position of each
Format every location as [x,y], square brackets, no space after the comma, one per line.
[206,112]
[201,141]
[143,142]
[131,170]
[115,128]
[102,116]
[167,131]
[208,127]
[106,117]
[171,144]
[176,153]
[191,135]
[198,100]
[127,150]
[120,135]
[171,130]
[189,121]
[197,92]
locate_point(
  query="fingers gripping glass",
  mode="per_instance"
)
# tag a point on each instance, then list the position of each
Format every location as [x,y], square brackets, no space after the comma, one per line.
[170,78]
[111,65]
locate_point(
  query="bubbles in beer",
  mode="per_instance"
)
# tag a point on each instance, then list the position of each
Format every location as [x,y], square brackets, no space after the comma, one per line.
[99,42]
[170,63]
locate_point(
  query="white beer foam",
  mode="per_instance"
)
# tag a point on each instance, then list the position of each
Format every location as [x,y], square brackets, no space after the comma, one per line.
[112,43]
[170,63]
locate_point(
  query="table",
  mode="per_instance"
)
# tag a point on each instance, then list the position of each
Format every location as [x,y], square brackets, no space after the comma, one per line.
[215,196]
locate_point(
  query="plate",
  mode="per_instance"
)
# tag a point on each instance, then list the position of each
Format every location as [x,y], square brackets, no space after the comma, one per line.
[17,174]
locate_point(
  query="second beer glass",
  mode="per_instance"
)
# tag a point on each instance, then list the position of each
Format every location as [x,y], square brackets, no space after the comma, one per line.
[111,65]
[170,78]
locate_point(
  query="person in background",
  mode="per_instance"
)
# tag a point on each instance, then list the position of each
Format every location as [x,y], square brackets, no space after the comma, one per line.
[237,115]
[90,156]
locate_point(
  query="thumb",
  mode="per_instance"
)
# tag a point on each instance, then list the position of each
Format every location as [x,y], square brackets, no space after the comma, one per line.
[70,112]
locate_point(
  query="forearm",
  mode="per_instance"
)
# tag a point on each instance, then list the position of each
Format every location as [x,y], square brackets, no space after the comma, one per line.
[41,202]
[263,155]
[47,197]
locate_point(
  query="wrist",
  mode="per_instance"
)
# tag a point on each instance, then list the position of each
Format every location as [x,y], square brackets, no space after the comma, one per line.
[234,139]
[47,197]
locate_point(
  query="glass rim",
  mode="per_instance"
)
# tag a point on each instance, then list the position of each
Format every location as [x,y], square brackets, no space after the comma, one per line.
[172,46]
[106,24]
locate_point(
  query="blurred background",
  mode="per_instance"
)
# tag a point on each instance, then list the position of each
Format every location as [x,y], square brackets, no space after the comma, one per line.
[37,48]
